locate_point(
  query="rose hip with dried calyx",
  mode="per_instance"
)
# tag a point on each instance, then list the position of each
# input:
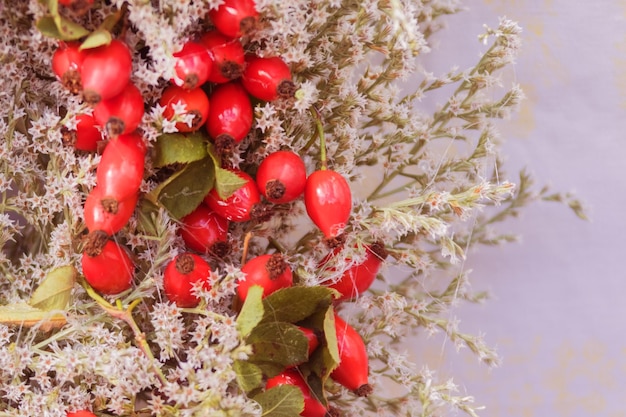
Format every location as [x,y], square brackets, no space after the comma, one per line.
[226,54]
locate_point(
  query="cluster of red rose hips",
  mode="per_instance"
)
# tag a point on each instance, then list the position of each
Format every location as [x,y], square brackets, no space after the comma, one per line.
[102,75]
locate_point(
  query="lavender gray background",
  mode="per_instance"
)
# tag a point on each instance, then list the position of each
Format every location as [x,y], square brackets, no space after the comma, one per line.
[558,314]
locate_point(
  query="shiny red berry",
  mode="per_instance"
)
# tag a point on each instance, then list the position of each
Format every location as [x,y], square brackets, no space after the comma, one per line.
[81,413]
[66,65]
[205,231]
[180,276]
[193,65]
[78,6]
[195,102]
[281,177]
[311,337]
[353,369]
[106,71]
[328,201]
[269,271]
[230,116]
[86,136]
[235,18]
[359,277]
[312,406]
[108,214]
[120,170]
[267,78]
[120,114]
[226,54]
[106,265]
[241,205]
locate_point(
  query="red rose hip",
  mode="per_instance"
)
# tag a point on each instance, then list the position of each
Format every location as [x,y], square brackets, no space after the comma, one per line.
[269,271]
[108,214]
[180,276]
[353,369]
[205,231]
[268,78]
[281,177]
[106,265]
[195,101]
[120,114]
[86,136]
[193,65]
[359,277]
[235,18]
[312,406]
[226,55]
[66,65]
[81,413]
[105,71]
[241,205]
[328,201]
[120,170]
[230,116]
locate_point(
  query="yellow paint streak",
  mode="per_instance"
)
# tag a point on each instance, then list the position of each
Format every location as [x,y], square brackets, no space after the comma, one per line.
[540,41]
[522,123]
[579,377]
[619,62]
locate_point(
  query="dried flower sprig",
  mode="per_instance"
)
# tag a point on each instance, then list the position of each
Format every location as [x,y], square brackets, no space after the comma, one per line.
[433,186]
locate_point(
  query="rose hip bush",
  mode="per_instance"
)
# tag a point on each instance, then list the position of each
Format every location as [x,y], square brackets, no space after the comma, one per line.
[232,208]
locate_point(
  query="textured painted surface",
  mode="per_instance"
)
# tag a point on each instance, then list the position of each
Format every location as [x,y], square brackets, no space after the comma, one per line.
[558,316]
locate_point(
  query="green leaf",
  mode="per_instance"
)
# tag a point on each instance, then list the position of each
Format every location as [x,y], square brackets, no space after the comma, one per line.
[278,343]
[251,312]
[330,335]
[58,27]
[226,182]
[281,401]
[98,37]
[22,314]
[48,27]
[295,304]
[174,148]
[184,191]
[147,215]
[55,290]
[326,357]
[53,7]
[249,376]
[68,29]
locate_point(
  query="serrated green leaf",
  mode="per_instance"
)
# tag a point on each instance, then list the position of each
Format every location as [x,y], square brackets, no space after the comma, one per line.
[326,357]
[295,304]
[226,182]
[22,314]
[252,311]
[249,376]
[281,401]
[213,154]
[330,335]
[181,193]
[172,148]
[278,343]
[98,37]
[55,290]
